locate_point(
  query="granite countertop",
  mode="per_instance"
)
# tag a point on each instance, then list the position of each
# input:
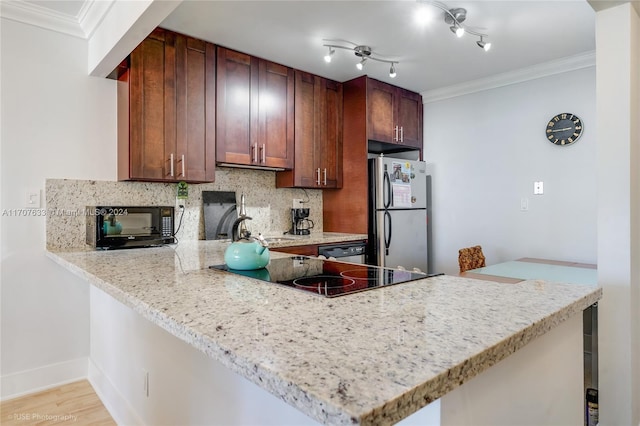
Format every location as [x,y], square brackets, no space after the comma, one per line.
[372,357]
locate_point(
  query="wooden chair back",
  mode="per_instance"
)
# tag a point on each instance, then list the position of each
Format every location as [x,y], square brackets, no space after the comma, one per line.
[471,258]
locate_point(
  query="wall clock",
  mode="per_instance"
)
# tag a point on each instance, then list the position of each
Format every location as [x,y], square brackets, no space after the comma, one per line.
[564,129]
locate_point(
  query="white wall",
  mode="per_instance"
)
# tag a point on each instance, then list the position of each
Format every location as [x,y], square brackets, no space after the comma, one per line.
[57,122]
[618,92]
[489,147]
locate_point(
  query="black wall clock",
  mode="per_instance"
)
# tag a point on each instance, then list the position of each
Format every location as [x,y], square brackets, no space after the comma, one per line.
[564,129]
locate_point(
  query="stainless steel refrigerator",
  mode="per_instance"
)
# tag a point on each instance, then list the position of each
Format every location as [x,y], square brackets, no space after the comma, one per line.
[399,213]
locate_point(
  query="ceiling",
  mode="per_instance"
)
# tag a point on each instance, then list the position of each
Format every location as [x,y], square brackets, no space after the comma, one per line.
[523,34]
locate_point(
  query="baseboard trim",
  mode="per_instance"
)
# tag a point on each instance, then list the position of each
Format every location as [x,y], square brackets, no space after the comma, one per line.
[120,410]
[39,379]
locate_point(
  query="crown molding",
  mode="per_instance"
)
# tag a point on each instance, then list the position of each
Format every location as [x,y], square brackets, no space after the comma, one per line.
[92,14]
[82,25]
[571,63]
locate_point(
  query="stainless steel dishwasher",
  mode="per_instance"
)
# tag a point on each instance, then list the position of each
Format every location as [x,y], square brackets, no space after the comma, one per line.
[351,251]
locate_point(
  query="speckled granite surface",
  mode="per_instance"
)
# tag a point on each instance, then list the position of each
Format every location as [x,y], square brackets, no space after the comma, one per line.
[267,206]
[372,357]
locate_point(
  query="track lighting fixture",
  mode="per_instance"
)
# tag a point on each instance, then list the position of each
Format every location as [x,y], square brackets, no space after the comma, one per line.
[361,51]
[455,18]
[458,30]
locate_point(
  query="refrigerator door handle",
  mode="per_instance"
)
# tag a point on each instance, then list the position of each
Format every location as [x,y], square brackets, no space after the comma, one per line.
[386,182]
[387,235]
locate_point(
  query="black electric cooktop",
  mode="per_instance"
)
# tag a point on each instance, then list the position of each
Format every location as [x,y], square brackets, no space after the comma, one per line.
[325,277]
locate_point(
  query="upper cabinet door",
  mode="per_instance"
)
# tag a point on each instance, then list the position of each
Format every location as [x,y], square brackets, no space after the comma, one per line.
[255,111]
[166,107]
[410,118]
[329,145]
[307,127]
[382,110]
[394,115]
[146,134]
[195,109]
[276,115]
[318,134]
[236,123]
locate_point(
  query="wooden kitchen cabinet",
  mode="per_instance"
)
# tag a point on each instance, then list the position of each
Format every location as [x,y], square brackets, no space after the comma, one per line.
[307,250]
[166,110]
[255,111]
[394,114]
[318,134]
[371,110]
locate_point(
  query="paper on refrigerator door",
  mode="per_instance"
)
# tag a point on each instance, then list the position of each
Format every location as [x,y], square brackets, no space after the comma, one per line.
[401,195]
[401,184]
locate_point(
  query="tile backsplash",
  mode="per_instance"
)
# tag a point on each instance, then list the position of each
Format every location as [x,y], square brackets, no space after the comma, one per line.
[267,206]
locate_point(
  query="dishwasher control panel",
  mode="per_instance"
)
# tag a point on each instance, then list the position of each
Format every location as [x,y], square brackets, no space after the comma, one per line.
[343,250]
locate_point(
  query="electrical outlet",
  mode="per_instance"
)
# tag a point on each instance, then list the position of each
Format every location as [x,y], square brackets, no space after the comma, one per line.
[297,203]
[32,199]
[538,188]
[524,204]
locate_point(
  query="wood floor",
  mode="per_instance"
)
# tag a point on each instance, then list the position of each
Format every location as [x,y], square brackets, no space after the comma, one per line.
[72,404]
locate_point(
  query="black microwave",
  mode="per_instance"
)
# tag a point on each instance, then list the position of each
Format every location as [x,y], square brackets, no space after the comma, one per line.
[114,227]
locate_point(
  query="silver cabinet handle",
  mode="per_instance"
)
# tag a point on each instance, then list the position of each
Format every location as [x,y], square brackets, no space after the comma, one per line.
[264,154]
[325,177]
[401,133]
[396,136]
[318,174]
[171,165]
[183,174]
[254,153]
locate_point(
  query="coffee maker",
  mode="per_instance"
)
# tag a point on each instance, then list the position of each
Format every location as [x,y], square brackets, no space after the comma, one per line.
[300,222]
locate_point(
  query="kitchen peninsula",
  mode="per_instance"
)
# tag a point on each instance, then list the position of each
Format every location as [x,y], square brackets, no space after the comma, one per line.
[373,357]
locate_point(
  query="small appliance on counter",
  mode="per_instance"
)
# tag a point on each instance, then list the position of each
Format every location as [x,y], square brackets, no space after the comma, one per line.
[115,227]
[300,222]
[246,253]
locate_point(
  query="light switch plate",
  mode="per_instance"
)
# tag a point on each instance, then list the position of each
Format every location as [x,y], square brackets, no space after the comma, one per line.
[32,199]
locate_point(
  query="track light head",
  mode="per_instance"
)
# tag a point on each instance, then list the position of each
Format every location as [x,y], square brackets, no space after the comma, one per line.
[392,71]
[328,56]
[360,64]
[483,44]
